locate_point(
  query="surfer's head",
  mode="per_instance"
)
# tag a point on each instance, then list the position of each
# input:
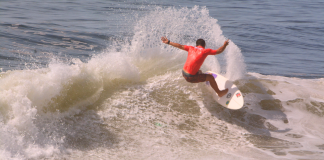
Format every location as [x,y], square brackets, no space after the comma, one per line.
[200,42]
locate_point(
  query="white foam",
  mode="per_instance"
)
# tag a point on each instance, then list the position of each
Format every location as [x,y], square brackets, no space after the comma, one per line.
[158,114]
[303,112]
[30,97]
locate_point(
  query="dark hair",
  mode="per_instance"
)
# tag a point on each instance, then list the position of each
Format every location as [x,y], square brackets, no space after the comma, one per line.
[200,42]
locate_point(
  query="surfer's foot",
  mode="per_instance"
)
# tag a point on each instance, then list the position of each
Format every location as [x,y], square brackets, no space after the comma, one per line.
[223,92]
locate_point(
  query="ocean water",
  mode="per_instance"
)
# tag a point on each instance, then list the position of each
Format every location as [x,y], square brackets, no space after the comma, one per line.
[92,80]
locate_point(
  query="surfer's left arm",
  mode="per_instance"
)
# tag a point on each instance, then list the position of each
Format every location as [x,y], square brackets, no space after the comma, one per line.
[222,48]
[166,41]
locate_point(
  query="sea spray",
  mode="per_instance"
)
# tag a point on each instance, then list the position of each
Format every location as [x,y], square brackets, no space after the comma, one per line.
[52,111]
[184,26]
[33,99]
[235,68]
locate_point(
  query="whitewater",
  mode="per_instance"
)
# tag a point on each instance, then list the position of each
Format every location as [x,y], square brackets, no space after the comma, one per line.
[130,101]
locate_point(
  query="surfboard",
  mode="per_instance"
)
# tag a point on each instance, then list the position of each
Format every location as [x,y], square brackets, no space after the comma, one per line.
[233,99]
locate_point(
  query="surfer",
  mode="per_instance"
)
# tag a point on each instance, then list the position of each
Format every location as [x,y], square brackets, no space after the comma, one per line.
[196,57]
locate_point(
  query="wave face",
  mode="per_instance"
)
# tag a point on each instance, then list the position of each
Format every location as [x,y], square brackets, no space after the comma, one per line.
[131,102]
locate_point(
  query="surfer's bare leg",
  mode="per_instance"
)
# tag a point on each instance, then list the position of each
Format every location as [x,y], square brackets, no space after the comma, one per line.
[214,85]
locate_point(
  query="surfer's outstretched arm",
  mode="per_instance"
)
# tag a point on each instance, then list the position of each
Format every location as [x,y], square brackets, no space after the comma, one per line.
[222,48]
[166,41]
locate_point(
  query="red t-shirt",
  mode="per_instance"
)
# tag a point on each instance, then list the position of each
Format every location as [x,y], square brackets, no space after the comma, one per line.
[196,57]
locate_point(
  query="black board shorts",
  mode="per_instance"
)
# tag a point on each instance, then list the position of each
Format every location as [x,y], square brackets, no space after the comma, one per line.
[194,78]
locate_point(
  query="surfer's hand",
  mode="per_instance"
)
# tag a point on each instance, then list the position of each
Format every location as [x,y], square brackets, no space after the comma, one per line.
[226,43]
[164,40]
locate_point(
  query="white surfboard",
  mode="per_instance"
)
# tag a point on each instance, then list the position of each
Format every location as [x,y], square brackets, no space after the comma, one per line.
[233,99]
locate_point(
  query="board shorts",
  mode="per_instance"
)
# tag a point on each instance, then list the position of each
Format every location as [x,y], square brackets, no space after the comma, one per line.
[194,78]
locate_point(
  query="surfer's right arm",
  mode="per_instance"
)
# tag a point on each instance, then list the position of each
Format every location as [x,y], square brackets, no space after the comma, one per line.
[166,41]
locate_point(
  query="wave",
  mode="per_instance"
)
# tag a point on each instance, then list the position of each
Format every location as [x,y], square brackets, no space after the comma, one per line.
[133,97]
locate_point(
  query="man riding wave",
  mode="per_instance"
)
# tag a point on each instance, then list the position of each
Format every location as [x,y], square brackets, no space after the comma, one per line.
[196,57]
